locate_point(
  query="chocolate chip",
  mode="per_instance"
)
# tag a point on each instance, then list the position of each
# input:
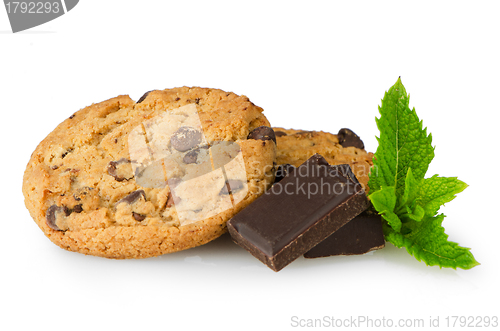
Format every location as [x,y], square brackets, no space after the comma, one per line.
[282,171]
[141,99]
[232,186]
[225,189]
[263,133]
[235,185]
[55,167]
[66,210]
[185,138]
[172,199]
[133,197]
[197,101]
[66,153]
[191,156]
[347,138]
[177,99]
[302,132]
[113,169]
[138,217]
[51,215]
[280,133]
[81,193]
[72,116]
[77,209]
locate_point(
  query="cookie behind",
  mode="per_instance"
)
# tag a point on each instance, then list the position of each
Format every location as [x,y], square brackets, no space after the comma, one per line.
[296,146]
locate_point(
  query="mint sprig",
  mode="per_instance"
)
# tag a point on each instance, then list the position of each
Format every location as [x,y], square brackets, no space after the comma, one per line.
[408,202]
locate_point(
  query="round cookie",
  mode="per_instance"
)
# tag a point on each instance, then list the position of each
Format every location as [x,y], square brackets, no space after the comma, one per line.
[296,146]
[121,179]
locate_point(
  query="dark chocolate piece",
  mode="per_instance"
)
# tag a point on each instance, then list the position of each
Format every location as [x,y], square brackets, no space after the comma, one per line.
[144,96]
[347,138]
[262,133]
[282,171]
[300,211]
[359,236]
[185,138]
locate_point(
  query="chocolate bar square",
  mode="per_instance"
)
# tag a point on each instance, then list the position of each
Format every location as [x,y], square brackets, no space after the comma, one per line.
[359,236]
[308,205]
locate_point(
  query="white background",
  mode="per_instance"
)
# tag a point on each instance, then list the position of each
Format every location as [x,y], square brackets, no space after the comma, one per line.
[315,65]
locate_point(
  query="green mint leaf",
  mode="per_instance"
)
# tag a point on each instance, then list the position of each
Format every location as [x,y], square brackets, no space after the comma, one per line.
[416,214]
[436,191]
[412,187]
[428,242]
[407,202]
[403,143]
[407,208]
[411,190]
[384,201]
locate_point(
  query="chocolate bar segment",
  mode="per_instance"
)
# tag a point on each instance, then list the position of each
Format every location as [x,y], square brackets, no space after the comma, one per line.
[359,236]
[300,211]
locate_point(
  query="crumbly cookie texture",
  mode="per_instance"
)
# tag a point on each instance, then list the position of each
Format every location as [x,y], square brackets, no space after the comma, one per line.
[125,179]
[296,146]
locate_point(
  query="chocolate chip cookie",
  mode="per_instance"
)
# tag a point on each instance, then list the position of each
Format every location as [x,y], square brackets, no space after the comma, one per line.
[125,179]
[296,146]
